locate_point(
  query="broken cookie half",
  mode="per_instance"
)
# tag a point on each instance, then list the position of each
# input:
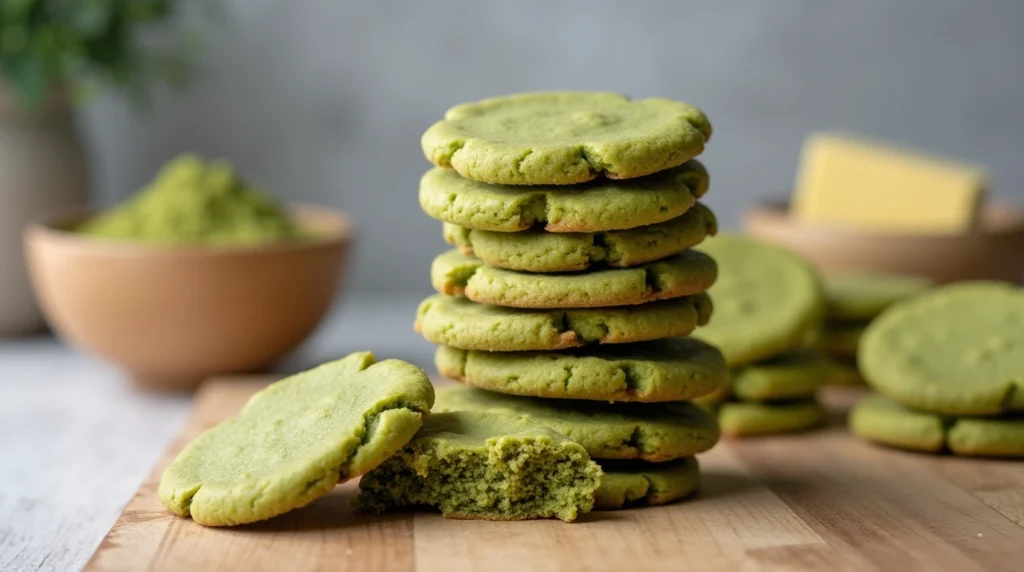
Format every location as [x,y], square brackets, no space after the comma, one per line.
[489,466]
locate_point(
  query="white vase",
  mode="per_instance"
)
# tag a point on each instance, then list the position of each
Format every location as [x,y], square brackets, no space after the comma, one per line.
[42,169]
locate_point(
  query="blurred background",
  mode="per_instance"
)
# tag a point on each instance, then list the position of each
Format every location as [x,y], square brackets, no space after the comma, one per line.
[324,101]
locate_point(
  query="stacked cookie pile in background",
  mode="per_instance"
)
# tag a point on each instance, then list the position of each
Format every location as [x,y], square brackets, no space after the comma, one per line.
[572,286]
[853,300]
[769,305]
[948,369]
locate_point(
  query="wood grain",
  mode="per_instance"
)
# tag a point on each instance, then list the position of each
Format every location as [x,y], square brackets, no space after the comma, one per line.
[817,501]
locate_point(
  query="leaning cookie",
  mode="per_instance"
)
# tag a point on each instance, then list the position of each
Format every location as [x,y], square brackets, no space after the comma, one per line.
[460,323]
[541,251]
[674,369]
[564,138]
[955,350]
[296,439]
[593,207]
[628,484]
[684,274]
[767,300]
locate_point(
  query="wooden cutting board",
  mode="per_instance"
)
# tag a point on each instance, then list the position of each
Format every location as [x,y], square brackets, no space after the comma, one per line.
[817,501]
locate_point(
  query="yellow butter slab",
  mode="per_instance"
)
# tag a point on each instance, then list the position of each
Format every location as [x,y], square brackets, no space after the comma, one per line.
[857,182]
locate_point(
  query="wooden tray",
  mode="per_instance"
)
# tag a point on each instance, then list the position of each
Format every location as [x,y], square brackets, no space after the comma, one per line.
[819,501]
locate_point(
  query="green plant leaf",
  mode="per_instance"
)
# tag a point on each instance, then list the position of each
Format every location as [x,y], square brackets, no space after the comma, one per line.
[27,75]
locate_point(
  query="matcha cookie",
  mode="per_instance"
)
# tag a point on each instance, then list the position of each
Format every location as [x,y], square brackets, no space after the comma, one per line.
[882,420]
[296,439]
[684,274]
[538,251]
[564,138]
[859,296]
[626,484]
[789,376]
[592,207]
[954,350]
[488,466]
[742,419]
[460,323]
[653,432]
[767,299]
[841,339]
[674,369]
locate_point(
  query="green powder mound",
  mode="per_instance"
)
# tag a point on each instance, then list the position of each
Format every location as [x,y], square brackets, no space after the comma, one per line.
[296,439]
[626,484]
[460,323]
[653,432]
[195,202]
[564,138]
[487,466]
[540,251]
[882,420]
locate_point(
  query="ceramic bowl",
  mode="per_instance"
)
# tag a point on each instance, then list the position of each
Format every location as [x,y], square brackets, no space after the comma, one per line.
[173,316]
[993,251]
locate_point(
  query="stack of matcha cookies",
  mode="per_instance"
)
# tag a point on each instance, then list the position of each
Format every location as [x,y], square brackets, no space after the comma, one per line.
[572,287]
[769,306]
[948,369]
[853,300]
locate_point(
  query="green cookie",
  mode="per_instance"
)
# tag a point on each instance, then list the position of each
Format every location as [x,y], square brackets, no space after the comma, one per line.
[626,484]
[653,432]
[563,138]
[766,298]
[539,251]
[859,296]
[296,439]
[674,369]
[592,207]
[488,466]
[841,339]
[743,419]
[460,323]
[684,274]
[882,420]
[954,350]
[789,376]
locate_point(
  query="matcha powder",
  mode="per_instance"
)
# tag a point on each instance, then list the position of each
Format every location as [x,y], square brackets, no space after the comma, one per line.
[196,202]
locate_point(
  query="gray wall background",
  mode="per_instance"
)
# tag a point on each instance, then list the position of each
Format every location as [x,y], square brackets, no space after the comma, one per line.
[324,100]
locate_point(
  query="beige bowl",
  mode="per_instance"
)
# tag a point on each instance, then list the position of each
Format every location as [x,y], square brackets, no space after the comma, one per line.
[173,316]
[994,251]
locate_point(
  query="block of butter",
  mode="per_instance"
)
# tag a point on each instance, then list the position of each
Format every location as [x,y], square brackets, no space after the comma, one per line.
[857,182]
